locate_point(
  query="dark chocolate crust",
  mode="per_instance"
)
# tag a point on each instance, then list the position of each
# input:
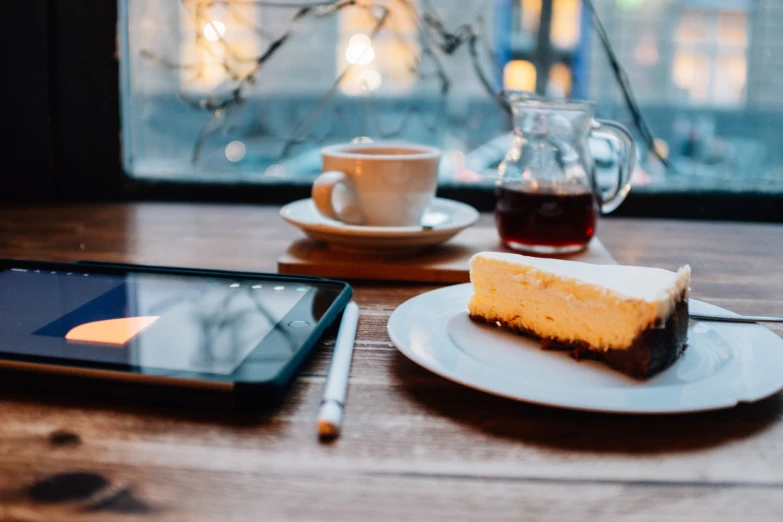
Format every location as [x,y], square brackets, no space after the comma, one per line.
[653,350]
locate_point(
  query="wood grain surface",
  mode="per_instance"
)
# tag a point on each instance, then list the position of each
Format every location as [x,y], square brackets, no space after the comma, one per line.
[415,446]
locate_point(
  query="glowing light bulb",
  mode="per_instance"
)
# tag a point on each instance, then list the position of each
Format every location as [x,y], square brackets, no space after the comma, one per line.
[214,30]
[359,51]
[235,151]
[370,79]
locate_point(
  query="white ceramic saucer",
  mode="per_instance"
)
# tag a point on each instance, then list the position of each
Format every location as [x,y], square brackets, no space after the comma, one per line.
[724,363]
[442,221]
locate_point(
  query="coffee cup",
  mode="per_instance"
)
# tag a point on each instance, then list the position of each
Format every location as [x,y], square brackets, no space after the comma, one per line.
[376,184]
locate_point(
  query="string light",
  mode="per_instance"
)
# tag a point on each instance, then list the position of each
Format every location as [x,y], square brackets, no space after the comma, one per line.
[436,41]
[360,51]
[214,30]
[370,79]
[235,151]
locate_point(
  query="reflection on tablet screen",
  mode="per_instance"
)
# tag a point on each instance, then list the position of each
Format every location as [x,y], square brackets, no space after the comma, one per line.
[157,321]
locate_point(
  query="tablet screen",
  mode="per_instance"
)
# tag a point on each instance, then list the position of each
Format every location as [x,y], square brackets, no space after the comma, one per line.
[170,322]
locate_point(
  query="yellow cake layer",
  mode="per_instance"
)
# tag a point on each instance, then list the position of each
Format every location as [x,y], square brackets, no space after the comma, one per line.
[605,306]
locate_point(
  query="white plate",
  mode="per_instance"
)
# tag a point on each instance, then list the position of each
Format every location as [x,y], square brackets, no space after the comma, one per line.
[724,363]
[445,217]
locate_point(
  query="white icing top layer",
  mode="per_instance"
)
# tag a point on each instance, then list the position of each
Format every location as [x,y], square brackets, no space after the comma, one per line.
[653,285]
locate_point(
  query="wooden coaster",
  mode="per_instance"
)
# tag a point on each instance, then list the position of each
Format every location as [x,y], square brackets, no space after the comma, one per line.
[447,263]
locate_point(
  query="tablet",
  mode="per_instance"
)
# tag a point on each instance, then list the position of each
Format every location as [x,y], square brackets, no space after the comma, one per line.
[236,333]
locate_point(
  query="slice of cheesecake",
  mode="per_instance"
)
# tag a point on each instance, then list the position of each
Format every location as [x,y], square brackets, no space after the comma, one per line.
[635,319]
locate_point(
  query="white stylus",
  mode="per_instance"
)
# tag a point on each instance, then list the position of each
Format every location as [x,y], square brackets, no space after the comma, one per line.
[330,414]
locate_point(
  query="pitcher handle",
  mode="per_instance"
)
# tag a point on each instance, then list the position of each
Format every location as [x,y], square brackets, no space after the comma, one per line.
[617,134]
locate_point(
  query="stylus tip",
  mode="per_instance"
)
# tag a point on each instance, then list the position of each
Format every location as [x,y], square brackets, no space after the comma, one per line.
[330,419]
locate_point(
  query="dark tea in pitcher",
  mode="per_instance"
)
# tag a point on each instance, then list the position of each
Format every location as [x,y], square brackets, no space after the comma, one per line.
[544,219]
[548,200]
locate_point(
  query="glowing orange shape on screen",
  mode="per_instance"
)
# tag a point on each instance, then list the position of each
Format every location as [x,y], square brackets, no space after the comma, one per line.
[110,331]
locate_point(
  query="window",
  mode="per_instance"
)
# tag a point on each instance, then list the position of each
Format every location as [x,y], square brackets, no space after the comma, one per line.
[384,63]
[519,75]
[525,24]
[710,58]
[238,91]
[565,28]
[249,91]
[217,44]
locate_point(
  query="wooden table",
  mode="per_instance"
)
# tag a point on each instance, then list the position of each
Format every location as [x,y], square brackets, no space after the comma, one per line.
[415,446]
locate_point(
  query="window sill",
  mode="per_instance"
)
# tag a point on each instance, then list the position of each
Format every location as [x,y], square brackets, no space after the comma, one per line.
[728,205]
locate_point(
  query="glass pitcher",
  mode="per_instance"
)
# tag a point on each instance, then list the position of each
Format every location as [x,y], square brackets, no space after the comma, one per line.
[548,200]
